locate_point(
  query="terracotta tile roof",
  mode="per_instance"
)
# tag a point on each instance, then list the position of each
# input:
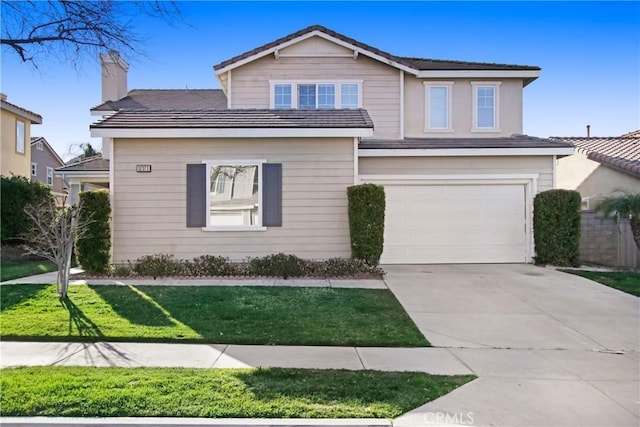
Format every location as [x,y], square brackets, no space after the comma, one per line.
[168,99]
[257,118]
[22,112]
[415,63]
[618,152]
[634,134]
[91,164]
[513,141]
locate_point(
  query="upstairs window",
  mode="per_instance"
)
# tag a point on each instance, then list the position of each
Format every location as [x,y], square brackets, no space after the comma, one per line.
[486,106]
[326,96]
[49,176]
[307,96]
[311,95]
[20,137]
[39,145]
[34,169]
[282,96]
[438,106]
[349,95]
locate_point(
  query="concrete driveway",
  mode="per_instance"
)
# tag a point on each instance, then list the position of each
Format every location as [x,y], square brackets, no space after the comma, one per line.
[549,348]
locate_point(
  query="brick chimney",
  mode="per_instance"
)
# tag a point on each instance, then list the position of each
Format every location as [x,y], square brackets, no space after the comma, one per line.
[114,76]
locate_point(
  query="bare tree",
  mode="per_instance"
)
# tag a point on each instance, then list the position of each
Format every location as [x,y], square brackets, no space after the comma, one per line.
[68,30]
[54,231]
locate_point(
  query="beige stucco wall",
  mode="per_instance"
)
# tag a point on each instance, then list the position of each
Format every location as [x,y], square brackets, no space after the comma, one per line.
[542,165]
[380,87]
[150,208]
[592,179]
[510,108]
[13,162]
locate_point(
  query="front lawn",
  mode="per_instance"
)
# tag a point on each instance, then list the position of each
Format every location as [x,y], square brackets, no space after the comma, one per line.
[226,315]
[217,393]
[13,265]
[624,281]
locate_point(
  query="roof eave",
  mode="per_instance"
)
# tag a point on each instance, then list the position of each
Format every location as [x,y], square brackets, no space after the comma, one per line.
[465,152]
[34,118]
[265,132]
[527,75]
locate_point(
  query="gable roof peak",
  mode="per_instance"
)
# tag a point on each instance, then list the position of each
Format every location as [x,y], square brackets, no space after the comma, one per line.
[409,64]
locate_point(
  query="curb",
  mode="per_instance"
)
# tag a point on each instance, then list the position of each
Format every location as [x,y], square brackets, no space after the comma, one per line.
[188,422]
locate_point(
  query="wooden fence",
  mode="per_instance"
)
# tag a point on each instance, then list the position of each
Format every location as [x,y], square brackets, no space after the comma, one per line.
[607,242]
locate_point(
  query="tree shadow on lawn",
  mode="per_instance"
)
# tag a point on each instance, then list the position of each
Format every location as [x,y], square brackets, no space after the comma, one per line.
[12,295]
[133,305]
[394,391]
[83,324]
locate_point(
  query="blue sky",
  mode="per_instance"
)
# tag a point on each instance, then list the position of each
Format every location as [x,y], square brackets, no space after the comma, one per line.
[589,53]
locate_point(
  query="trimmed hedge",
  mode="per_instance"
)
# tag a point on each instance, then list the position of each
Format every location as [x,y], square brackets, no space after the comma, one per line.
[18,192]
[93,248]
[556,227]
[276,265]
[366,221]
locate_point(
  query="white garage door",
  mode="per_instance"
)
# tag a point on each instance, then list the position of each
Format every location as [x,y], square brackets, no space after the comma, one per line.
[435,224]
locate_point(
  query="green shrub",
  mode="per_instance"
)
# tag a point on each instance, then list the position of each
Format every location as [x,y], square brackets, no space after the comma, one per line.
[209,265]
[17,192]
[556,227]
[93,248]
[279,265]
[366,222]
[342,267]
[158,265]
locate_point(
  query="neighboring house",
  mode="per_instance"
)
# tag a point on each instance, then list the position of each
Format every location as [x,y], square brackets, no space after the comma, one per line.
[263,165]
[601,166]
[44,161]
[84,174]
[15,137]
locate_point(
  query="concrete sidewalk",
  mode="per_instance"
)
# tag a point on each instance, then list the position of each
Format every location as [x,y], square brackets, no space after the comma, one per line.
[48,278]
[432,360]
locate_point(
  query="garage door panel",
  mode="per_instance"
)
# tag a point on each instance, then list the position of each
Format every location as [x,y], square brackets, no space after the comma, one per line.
[455,224]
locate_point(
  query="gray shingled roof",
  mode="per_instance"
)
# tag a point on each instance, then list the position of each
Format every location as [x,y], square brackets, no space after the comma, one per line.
[257,118]
[168,99]
[415,63]
[514,141]
[92,164]
[618,152]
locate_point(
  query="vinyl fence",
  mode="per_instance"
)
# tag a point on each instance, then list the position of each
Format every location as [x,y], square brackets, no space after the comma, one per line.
[607,242]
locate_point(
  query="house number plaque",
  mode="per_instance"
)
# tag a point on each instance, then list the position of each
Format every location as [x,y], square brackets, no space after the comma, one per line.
[143,168]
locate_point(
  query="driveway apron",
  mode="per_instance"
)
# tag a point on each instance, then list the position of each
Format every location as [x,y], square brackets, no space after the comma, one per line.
[549,348]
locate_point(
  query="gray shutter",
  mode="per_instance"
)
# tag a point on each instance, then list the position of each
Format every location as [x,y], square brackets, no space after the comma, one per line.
[196,195]
[272,194]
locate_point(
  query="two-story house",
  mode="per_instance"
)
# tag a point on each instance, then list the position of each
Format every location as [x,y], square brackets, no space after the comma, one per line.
[44,162]
[15,138]
[262,166]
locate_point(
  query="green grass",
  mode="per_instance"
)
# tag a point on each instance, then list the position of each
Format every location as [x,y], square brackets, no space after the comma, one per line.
[624,281]
[233,315]
[24,269]
[217,393]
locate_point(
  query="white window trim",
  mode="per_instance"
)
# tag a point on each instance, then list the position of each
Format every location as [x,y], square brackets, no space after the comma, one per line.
[34,169]
[234,162]
[50,170]
[427,107]
[24,137]
[294,90]
[496,106]
[39,145]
